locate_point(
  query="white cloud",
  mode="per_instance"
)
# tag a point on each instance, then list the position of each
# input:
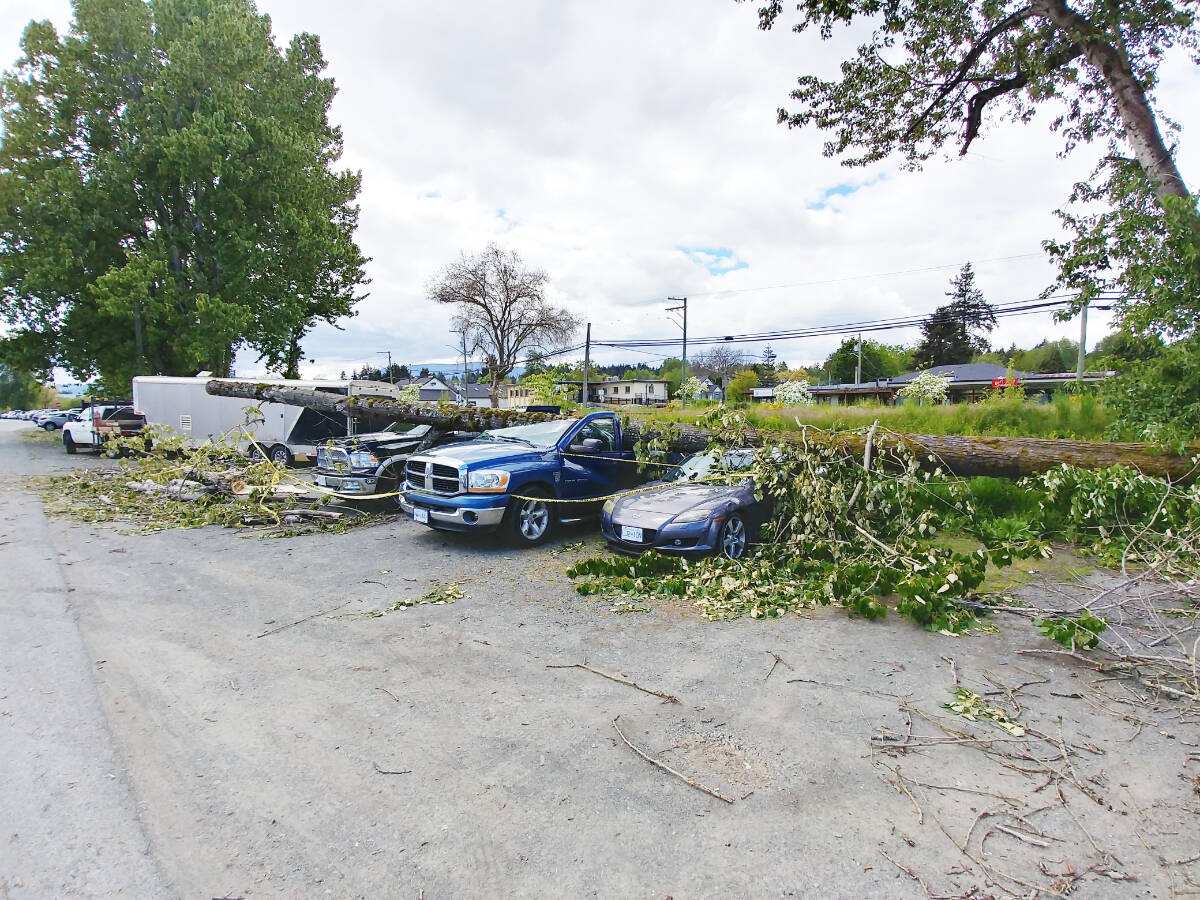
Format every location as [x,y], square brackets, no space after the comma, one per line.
[613,135]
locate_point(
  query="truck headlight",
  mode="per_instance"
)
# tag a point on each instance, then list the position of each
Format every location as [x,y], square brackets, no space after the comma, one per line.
[488,480]
[363,460]
[696,514]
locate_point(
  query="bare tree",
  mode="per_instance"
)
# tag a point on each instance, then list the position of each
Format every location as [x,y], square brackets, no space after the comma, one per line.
[719,363]
[501,309]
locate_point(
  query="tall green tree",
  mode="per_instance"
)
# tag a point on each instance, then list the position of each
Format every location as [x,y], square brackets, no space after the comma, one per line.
[942,72]
[955,333]
[167,192]
[20,390]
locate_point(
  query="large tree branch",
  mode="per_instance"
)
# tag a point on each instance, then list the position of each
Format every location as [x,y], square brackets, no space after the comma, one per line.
[968,62]
[974,119]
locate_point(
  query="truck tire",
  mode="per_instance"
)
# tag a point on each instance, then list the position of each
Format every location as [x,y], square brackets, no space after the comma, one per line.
[68,443]
[530,521]
[387,483]
[281,455]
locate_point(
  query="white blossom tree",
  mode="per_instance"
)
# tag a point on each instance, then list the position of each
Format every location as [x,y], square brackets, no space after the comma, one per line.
[928,387]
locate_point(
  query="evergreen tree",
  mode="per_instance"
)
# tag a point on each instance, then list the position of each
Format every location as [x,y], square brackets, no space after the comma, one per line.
[951,334]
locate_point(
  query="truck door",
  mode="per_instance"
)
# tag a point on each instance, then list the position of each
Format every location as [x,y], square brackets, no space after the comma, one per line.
[591,459]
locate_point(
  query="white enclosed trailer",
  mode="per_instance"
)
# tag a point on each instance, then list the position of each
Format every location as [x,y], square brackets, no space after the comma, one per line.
[287,433]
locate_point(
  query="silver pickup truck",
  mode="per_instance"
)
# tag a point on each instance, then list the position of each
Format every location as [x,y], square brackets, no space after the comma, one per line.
[365,464]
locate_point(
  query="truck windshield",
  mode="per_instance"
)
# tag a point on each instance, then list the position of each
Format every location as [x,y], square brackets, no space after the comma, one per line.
[543,435]
[408,428]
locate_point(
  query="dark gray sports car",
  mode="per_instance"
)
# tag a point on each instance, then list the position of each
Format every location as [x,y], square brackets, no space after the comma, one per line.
[683,513]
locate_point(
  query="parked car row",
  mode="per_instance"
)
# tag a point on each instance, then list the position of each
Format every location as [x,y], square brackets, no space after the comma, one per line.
[525,479]
[49,419]
[522,481]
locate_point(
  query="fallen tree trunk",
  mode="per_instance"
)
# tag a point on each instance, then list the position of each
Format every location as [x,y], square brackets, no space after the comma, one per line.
[999,457]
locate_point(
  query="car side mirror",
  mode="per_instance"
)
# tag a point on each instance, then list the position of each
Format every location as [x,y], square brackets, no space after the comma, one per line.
[587,445]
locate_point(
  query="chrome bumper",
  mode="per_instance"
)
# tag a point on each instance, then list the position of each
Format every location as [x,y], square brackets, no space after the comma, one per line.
[457,519]
[347,484]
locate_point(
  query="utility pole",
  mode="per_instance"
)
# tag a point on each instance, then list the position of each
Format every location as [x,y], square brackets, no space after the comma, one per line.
[1082,343]
[388,353]
[587,358]
[466,391]
[683,369]
[858,367]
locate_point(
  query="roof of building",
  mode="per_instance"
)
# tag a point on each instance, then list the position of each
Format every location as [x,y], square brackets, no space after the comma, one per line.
[959,373]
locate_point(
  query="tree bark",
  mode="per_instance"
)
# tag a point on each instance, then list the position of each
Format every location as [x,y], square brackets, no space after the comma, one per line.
[1141,126]
[998,457]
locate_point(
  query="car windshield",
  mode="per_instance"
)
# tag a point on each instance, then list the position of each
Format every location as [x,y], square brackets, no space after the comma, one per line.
[701,465]
[407,428]
[543,435]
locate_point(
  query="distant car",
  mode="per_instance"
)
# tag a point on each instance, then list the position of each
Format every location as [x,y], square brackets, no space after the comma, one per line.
[56,418]
[686,515]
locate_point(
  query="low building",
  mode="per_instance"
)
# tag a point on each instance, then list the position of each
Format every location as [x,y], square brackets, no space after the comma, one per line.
[711,391]
[969,382]
[638,391]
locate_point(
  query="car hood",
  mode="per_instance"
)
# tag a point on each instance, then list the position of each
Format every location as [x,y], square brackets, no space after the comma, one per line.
[380,441]
[672,499]
[472,452]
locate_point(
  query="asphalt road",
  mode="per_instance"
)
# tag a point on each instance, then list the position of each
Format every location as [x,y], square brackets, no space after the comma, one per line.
[207,714]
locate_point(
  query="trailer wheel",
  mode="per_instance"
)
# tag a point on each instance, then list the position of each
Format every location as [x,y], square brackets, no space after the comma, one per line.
[68,444]
[281,455]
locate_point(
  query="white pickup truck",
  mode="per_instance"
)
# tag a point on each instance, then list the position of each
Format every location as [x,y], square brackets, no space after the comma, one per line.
[99,422]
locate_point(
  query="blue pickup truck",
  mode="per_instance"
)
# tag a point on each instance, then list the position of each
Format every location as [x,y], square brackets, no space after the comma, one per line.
[508,478]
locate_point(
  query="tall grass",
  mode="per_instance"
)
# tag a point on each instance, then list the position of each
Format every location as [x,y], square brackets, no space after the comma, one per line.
[1003,414]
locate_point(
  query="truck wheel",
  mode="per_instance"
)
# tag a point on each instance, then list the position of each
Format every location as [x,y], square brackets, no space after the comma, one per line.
[386,484]
[281,455]
[530,521]
[69,444]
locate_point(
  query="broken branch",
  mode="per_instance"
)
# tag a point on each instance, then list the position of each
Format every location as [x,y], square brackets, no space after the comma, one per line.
[654,762]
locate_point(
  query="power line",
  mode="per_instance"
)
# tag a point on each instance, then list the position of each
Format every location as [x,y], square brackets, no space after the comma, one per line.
[1016,308]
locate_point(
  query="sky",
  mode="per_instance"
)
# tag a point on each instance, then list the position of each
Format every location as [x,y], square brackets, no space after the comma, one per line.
[631,150]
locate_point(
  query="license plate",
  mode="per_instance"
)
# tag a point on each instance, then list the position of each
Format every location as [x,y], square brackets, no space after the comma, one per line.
[421,515]
[631,534]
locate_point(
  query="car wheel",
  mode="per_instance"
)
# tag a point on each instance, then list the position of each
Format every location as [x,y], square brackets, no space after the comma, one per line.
[732,539]
[69,444]
[281,455]
[49,426]
[531,520]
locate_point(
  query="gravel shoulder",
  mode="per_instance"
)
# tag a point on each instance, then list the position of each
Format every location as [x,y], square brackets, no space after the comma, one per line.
[268,734]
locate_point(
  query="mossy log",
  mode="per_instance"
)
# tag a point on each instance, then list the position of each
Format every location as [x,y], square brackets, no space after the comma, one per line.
[999,457]
[440,415]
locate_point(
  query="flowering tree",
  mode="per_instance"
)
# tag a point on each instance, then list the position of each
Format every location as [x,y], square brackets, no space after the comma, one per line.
[794,393]
[410,393]
[546,391]
[690,390]
[928,387]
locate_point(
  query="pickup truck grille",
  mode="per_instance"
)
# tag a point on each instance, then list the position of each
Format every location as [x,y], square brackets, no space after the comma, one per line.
[433,477]
[333,459]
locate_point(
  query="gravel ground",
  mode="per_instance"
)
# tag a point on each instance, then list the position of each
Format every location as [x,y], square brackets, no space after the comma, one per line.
[207,714]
